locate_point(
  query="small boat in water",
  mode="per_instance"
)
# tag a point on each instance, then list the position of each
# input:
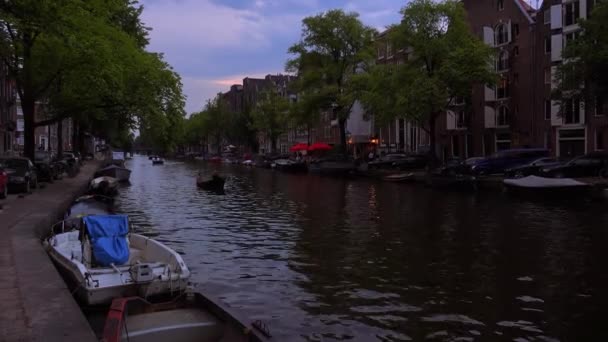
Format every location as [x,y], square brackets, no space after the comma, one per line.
[216,183]
[102,260]
[90,205]
[120,173]
[400,177]
[288,165]
[106,186]
[543,185]
[157,161]
[189,318]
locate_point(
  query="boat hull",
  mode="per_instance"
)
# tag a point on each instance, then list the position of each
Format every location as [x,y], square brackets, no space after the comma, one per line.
[120,173]
[101,286]
[554,187]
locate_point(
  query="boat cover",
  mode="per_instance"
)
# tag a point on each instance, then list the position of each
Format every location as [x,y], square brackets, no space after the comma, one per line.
[542,182]
[108,238]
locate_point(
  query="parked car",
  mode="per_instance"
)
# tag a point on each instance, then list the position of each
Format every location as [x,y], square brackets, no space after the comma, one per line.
[501,161]
[74,155]
[3,182]
[21,173]
[386,161]
[412,162]
[47,166]
[534,168]
[590,165]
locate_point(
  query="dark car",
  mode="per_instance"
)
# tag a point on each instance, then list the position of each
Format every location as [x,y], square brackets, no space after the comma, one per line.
[501,161]
[3,182]
[47,166]
[590,165]
[534,168]
[21,173]
[412,162]
[386,161]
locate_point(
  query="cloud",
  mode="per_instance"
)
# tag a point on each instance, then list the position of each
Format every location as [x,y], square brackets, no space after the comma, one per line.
[213,44]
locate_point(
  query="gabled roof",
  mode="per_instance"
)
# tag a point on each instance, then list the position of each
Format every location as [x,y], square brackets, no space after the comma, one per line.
[526,9]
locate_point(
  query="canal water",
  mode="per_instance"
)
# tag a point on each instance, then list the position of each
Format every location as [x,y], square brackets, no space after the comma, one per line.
[326,259]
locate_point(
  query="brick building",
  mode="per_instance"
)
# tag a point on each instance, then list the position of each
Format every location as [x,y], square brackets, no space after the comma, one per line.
[8,121]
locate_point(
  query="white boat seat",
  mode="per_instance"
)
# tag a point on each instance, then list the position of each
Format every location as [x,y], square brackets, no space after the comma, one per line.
[173,325]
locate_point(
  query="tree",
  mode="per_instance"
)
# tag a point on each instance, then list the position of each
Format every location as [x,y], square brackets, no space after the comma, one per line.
[447,60]
[584,71]
[332,47]
[56,49]
[270,116]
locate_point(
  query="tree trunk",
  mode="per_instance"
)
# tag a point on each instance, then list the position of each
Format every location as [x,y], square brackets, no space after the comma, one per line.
[273,145]
[28,106]
[433,161]
[342,124]
[59,138]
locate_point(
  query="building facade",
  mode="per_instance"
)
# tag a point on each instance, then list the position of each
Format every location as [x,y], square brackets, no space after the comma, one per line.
[580,124]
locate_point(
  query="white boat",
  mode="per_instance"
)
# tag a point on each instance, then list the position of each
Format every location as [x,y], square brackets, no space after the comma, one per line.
[544,185]
[106,186]
[120,173]
[103,261]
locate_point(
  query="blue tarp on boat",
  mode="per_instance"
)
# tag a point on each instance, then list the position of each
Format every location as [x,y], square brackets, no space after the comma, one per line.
[108,238]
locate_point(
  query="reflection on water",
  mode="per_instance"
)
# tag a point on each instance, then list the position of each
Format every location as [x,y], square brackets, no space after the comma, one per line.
[332,259]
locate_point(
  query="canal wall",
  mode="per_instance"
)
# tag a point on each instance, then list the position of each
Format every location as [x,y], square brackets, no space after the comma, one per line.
[35,303]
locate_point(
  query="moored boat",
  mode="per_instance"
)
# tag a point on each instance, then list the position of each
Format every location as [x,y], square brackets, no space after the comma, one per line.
[103,261]
[288,165]
[216,183]
[90,205]
[107,186]
[543,185]
[157,161]
[120,173]
[191,317]
[400,177]
[336,167]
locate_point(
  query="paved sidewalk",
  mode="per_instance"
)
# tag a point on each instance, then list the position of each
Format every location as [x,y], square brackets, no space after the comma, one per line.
[35,304]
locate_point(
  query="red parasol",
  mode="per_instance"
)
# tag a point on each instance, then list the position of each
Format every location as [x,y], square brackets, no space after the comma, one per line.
[299,147]
[319,147]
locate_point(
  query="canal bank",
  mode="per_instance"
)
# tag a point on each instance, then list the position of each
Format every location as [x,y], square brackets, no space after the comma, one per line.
[35,303]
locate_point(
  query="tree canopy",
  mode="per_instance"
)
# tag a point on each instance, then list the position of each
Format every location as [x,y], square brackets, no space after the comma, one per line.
[444,61]
[86,60]
[270,116]
[332,47]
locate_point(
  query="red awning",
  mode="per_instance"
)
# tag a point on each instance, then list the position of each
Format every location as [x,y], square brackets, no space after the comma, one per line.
[319,147]
[299,147]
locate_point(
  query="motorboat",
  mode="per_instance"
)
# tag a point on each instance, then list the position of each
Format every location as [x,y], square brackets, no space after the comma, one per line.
[400,177]
[90,205]
[102,260]
[333,167]
[107,186]
[543,185]
[216,183]
[120,173]
[157,161]
[288,165]
[188,318]
[150,157]
[118,158]
[248,162]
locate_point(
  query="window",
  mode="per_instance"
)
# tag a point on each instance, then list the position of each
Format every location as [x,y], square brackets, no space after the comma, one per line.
[19,110]
[516,51]
[516,30]
[547,16]
[547,45]
[547,109]
[572,111]
[503,89]
[503,141]
[461,119]
[501,5]
[571,13]
[502,118]
[381,51]
[501,34]
[503,61]
[569,37]
[599,107]
[389,50]
[547,75]
[599,140]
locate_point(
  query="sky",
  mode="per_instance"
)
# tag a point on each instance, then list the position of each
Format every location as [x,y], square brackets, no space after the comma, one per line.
[213,44]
